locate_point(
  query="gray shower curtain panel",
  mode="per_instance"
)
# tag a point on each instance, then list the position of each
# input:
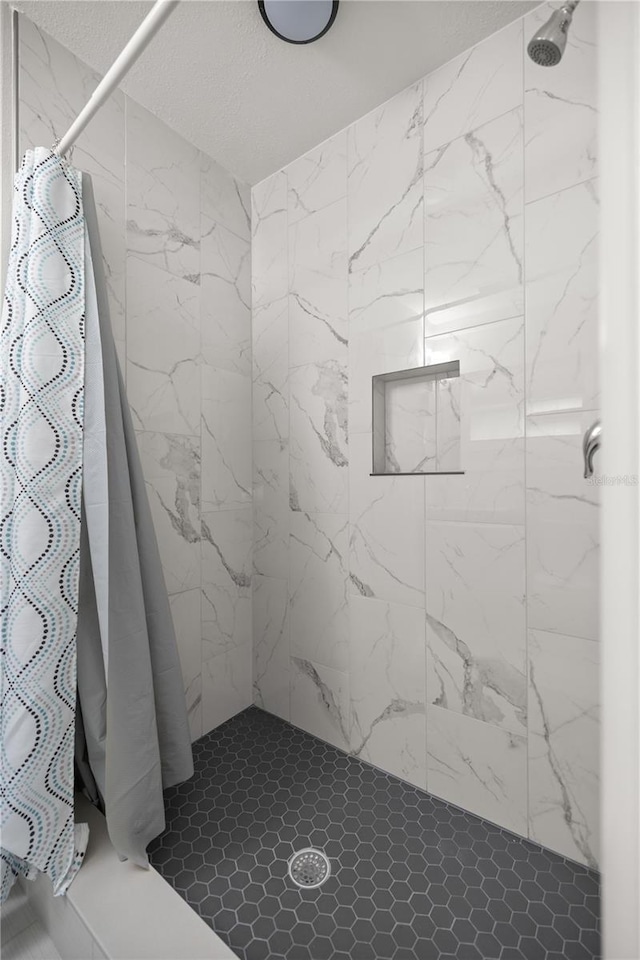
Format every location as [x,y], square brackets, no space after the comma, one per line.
[132,733]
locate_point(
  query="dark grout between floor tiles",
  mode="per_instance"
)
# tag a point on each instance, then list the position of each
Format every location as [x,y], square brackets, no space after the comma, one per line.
[413,878]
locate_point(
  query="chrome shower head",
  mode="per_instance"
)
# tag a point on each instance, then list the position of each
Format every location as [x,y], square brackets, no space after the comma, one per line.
[547,46]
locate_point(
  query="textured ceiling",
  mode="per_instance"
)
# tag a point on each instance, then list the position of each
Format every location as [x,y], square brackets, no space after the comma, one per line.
[219,77]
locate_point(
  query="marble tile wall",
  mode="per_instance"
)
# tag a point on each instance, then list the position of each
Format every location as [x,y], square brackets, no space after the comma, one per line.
[442,628]
[175,233]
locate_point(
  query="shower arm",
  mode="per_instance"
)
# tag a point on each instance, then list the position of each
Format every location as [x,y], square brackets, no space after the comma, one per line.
[568,9]
[161,11]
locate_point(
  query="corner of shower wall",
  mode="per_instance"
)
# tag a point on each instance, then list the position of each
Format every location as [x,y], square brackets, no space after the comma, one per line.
[175,234]
[6,136]
[441,628]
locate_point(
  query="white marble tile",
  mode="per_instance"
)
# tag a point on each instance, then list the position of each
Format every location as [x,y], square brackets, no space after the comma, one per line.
[562,308]
[227,539]
[386,557]
[226,686]
[224,199]
[226,439]
[110,210]
[487,402]
[54,86]
[410,426]
[562,528]
[561,107]
[385,328]
[270,351]
[163,195]
[387,684]
[318,178]
[163,349]
[383,350]
[384,184]
[386,293]
[564,738]
[479,767]
[448,430]
[193,696]
[171,467]
[477,86]
[271,511]
[318,588]
[185,611]
[320,701]
[225,307]
[473,194]
[476,628]
[318,439]
[271,645]
[269,274]
[318,287]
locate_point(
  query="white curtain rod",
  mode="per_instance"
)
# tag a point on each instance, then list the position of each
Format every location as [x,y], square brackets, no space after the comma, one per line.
[160,11]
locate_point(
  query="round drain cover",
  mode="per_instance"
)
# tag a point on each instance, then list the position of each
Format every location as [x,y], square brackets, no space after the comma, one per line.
[309,868]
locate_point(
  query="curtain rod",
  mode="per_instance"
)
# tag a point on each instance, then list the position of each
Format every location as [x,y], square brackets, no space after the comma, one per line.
[160,11]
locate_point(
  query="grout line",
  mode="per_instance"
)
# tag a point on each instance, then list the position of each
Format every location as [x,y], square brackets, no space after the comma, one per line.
[474,326]
[288,457]
[443,521]
[440,147]
[201,492]
[524,433]
[251,446]
[577,412]
[425,493]
[556,193]
[347,281]
[519,837]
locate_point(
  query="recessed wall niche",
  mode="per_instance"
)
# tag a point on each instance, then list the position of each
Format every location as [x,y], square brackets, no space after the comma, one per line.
[416,420]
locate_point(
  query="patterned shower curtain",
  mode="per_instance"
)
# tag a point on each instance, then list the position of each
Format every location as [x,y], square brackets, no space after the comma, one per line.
[83,605]
[42,359]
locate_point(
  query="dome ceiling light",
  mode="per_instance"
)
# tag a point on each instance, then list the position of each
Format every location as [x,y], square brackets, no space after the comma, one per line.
[298,21]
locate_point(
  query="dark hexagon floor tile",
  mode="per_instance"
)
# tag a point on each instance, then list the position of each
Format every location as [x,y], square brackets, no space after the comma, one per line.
[413,878]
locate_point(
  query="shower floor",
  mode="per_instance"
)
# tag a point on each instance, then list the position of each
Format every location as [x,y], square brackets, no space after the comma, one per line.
[412,877]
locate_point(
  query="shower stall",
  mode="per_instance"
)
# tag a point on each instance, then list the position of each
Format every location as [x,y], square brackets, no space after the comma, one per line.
[366,387]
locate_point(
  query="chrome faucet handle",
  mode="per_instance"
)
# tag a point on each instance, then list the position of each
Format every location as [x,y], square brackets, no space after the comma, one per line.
[590,443]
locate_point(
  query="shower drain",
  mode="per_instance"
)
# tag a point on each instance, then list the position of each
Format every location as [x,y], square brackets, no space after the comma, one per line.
[309,868]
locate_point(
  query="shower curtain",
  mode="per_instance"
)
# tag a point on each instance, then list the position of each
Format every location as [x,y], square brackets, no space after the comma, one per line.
[89,666]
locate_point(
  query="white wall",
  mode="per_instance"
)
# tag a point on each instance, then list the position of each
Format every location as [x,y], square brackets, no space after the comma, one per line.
[619,132]
[176,242]
[442,628]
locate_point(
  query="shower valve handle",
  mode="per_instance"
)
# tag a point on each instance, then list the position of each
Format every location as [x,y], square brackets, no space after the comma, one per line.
[590,443]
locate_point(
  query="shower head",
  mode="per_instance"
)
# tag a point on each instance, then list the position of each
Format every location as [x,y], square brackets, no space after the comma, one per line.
[547,46]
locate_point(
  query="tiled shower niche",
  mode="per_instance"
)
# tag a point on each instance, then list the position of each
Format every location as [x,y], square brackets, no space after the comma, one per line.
[416,420]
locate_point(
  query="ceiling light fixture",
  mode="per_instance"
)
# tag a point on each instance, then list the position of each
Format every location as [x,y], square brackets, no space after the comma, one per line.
[298,21]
